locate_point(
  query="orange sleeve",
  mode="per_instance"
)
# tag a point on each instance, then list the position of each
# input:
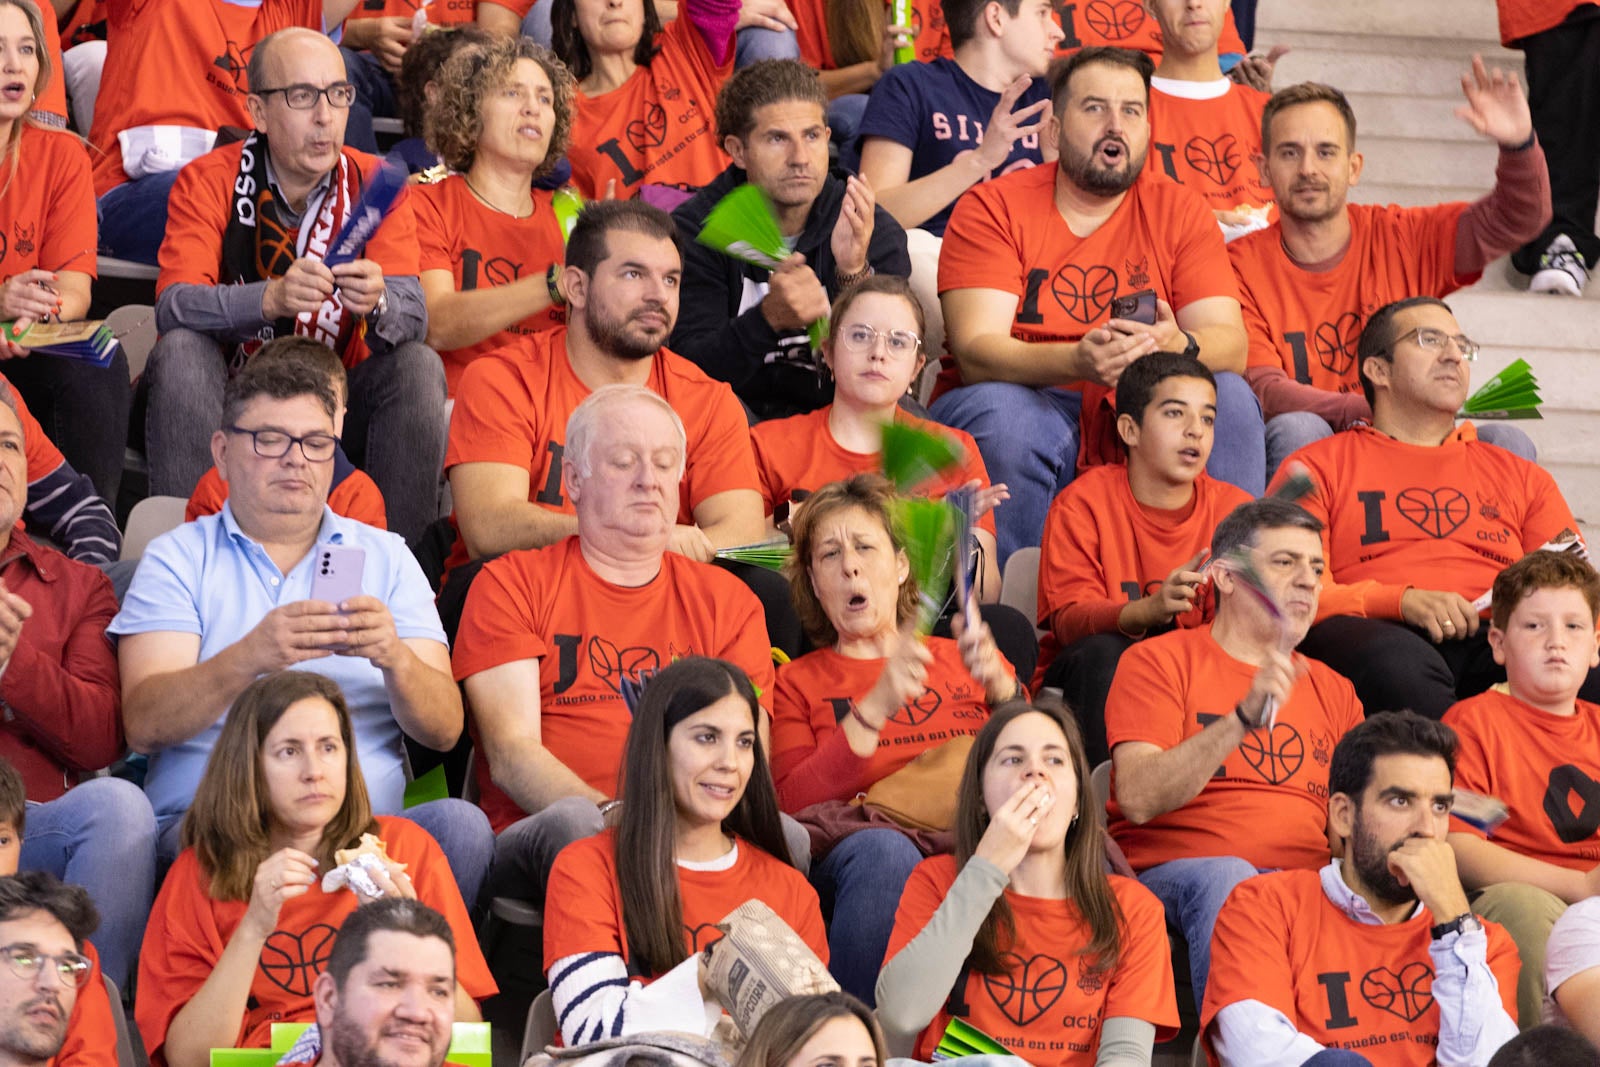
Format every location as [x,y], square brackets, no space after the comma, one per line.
[923,894]
[767,443]
[210,493]
[1249,960]
[358,497]
[69,232]
[751,643]
[1548,513]
[394,246]
[91,1030]
[436,887]
[722,458]
[41,453]
[1146,698]
[488,425]
[1430,239]
[1198,254]
[1141,987]
[1506,963]
[435,248]
[979,251]
[1473,771]
[793,732]
[520,8]
[197,214]
[1076,597]
[181,946]
[497,622]
[581,910]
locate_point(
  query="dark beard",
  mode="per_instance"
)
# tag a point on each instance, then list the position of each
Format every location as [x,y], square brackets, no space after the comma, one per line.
[34,1044]
[1371,860]
[348,1043]
[614,338]
[1101,181]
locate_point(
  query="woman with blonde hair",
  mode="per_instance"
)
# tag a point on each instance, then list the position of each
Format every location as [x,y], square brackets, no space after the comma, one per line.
[242,926]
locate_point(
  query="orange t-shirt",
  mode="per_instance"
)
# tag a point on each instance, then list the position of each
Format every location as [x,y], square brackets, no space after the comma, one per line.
[200,47]
[1210,144]
[1171,687]
[197,216]
[798,455]
[815,693]
[483,248]
[1448,517]
[1102,550]
[91,1029]
[356,496]
[513,408]
[1345,984]
[1049,1006]
[1522,18]
[47,216]
[656,127]
[583,905]
[1126,24]
[189,930]
[440,12]
[39,451]
[811,33]
[1308,322]
[548,604]
[1007,234]
[1545,767]
[88,23]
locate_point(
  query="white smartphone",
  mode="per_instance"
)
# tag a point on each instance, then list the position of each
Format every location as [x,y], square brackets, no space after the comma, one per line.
[336,573]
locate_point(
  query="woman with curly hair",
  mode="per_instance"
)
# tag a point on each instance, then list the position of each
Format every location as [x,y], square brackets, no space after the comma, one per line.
[499,117]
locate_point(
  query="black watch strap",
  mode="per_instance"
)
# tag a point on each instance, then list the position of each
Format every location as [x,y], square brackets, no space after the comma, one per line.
[1454,926]
[1193,349]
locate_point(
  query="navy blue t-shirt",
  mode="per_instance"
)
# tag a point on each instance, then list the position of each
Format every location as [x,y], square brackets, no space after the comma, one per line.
[935,110]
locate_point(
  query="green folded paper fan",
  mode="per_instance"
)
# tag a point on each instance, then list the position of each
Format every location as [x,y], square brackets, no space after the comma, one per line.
[927,530]
[1511,394]
[742,225]
[903,16]
[961,1038]
[566,202]
[769,554]
[912,456]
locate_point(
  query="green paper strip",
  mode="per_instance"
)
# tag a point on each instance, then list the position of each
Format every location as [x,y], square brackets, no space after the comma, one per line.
[431,786]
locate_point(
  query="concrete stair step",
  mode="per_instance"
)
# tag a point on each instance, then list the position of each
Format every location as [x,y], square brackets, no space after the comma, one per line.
[1371,72]
[1412,195]
[1457,49]
[1498,277]
[1414,18]
[1407,116]
[1417,161]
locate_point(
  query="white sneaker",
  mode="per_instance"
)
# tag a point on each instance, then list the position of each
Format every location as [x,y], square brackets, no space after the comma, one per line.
[1561,269]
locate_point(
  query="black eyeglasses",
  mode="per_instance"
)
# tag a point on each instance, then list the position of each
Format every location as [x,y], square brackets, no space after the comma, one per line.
[304,97]
[26,961]
[275,444]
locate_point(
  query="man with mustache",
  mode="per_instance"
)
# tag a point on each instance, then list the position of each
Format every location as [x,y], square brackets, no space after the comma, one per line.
[744,324]
[44,926]
[1028,273]
[1421,516]
[621,287]
[1376,957]
[1309,281]
[1214,731]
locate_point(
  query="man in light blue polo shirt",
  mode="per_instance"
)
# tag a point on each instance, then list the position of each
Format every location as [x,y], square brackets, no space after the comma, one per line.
[220,601]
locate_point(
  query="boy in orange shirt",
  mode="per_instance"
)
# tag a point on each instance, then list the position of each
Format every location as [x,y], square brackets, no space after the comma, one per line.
[1536,747]
[1123,544]
[1376,958]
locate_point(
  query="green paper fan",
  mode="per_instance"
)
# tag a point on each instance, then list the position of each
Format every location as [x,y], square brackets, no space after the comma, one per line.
[771,555]
[902,15]
[961,1038]
[566,203]
[911,455]
[1511,394]
[743,226]
[927,530]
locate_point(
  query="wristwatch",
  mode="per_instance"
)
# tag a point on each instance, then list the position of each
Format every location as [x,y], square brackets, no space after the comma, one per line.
[1459,925]
[380,307]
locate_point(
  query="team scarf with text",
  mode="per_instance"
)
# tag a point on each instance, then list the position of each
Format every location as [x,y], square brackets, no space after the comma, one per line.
[257,245]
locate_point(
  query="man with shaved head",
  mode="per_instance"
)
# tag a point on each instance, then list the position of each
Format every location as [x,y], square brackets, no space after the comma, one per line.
[248,228]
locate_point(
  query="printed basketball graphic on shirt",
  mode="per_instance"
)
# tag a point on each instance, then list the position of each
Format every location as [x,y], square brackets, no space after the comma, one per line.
[1217,159]
[3,246]
[1407,994]
[1568,783]
[1085,295]
[1276,754]
[703,936]
[25,239]
[1436,512]
[1028,987]
[293,961]
[234,62]
[1115,21]
[610,663]
[650,131]
[918,711]
[1336,342]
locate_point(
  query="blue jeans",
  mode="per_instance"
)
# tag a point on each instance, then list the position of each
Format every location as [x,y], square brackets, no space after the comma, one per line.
[1029,439]
[1193,891]
[133,217]
[1337,1057]
[860,882]
[1293,430]
[101,835]
[460,829]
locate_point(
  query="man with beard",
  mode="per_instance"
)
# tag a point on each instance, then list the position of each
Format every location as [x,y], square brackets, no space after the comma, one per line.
[1311,279]
[620,283]
[744,324]
[387,996]
[1216,731]
[43,929]
[1029,276]
[1378,952]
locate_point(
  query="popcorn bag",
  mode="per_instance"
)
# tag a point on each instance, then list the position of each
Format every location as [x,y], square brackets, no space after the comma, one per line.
[757,962]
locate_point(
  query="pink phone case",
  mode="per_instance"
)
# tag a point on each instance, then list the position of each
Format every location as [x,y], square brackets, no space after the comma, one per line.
[336,573]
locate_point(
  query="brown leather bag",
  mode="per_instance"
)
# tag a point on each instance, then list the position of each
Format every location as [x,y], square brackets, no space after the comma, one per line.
[922,794]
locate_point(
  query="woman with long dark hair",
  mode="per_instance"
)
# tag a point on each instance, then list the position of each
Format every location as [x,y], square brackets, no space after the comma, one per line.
[699,832]
[242,928]
[832,1029]
[1021,932]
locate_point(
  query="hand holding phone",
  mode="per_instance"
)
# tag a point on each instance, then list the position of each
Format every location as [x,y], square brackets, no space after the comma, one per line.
[336,573]
[1136,307]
